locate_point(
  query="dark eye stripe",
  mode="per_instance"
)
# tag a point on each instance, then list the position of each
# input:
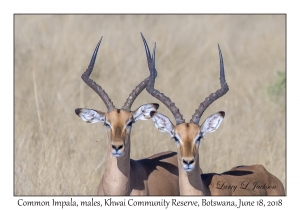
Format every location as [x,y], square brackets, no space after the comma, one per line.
[106,124]
[176,139]
[130,124]
[199,138]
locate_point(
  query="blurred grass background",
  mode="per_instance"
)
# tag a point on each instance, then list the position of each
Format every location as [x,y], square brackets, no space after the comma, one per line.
[56,153]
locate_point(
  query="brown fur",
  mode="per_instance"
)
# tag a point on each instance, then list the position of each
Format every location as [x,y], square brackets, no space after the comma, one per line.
[155,175]
[190,183]
[187,149]
[243,180]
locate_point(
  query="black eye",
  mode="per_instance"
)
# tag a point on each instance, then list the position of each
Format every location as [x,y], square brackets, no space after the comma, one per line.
[199,138]
[106,125]
[130,124]
[176,139]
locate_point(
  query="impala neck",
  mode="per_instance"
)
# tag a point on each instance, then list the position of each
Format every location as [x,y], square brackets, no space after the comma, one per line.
[116,178]
[190,183]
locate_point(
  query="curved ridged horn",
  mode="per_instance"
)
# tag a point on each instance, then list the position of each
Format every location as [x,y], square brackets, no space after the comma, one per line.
[97,88]
[214,96]
[138,89]
[155,93]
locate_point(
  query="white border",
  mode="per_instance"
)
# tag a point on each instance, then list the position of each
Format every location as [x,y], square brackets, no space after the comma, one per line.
[10,7]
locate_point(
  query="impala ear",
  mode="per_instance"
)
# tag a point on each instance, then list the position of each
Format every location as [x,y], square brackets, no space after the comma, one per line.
[163,123]
[145,112]
[212,123]
[90,115]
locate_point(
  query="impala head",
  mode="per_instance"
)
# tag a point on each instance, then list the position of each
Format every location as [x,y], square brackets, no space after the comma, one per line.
[118,122]
[186,135]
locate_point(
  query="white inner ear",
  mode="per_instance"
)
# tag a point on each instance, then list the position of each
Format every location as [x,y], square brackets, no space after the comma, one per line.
[91,116]
[211,123]
[163,123]
[143,112]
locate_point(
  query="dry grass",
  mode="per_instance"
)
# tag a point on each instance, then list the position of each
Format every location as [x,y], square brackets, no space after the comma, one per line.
[56,153]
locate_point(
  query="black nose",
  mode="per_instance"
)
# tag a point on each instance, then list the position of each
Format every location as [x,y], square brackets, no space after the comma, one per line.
[117,147]
[188,162]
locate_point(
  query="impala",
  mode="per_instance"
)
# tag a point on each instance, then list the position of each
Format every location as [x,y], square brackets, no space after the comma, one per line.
[155,175]
[242,180]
